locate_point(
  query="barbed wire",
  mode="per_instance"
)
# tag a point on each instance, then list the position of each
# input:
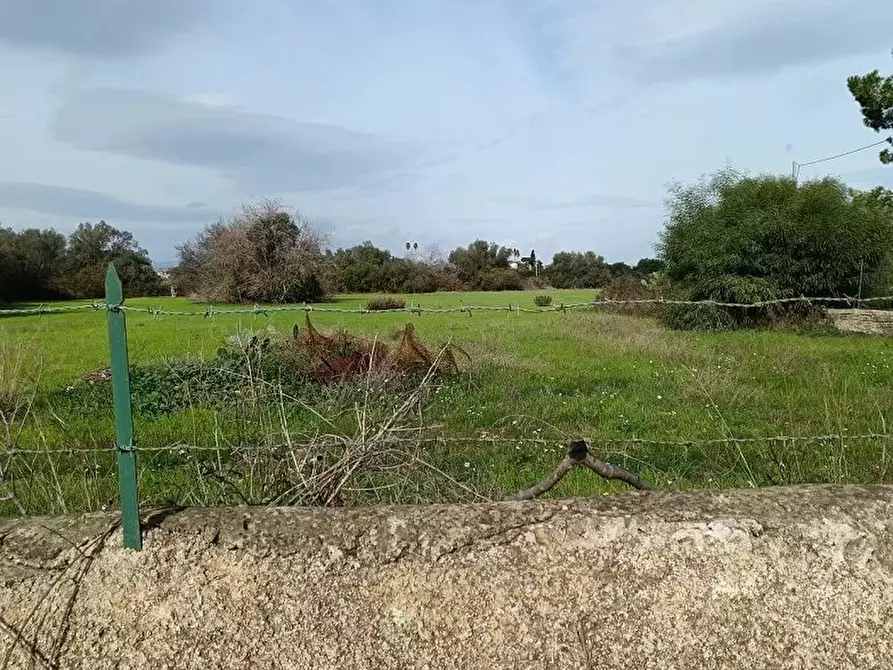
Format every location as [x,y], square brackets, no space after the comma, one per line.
[211,311]
[183,448]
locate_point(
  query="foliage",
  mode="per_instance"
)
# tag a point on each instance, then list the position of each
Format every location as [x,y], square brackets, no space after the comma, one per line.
[620,269]
[31,264]
[874,94]
[542,300]
[747,239]
[484,266]
[630,288]
[380,304]
[573,269]
[366,269]
[43,265]
[649,266]
[263,255]
[90,250]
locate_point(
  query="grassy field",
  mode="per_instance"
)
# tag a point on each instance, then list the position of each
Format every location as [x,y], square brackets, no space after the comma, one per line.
[535,380]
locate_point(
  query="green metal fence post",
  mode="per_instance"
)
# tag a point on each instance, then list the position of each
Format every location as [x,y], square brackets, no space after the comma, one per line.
[130,506]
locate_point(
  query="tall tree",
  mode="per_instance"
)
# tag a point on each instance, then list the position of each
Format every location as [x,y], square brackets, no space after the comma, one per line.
[31,264]
[874,93]
[485,266]
[92,247]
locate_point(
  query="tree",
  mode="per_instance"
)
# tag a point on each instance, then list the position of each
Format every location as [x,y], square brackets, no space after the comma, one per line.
[874,94]
[573,269]
[620,269]
[484,266]
[649,266]
[360,269]
[92,247]
[745,239]
[264,254]
[31,264]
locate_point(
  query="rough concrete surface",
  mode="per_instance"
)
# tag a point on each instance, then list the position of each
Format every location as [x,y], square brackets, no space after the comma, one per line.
[773,578]
[869,321]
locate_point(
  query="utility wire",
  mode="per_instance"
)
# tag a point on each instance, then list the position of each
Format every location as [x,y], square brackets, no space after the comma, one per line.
[795,171]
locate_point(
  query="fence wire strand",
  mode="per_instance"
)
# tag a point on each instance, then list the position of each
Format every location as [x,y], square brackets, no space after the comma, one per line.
[259,310]
[183,448]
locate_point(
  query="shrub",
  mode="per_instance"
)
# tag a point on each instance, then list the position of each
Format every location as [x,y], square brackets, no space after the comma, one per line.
[628,287]
[264,254]
[542,300]
[746,239]
[381,304]
[499,280]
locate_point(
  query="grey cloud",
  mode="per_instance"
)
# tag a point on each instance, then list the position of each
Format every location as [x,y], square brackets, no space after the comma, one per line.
[195,204]
[91,205]
[767,43]
[581,202]
[98,28]
[256,151]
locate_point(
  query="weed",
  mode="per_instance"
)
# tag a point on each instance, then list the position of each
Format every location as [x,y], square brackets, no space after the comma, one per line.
[251,420]
[381,304]
[542,300]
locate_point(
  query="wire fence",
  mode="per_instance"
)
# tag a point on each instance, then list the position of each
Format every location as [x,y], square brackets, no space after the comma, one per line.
[611,443]
[126,450]
[211,311]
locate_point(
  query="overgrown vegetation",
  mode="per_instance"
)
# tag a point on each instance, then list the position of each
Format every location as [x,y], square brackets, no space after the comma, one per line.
[542,300]
[43,265]
[633,296]
[220,420]
[381,304]
[738,239]
[264,254]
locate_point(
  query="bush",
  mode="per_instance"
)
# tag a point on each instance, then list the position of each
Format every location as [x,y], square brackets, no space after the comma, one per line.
[747,239]
[542,300]
[628,287]
[499,280]
[264,254]
[381,304]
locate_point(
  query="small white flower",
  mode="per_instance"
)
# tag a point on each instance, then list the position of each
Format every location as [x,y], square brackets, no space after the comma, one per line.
[467,464]
[660,397]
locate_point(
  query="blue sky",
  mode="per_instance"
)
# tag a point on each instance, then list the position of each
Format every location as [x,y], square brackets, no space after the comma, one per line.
[544,124]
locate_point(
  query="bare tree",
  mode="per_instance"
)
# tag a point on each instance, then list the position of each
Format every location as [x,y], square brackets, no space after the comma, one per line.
[264,253]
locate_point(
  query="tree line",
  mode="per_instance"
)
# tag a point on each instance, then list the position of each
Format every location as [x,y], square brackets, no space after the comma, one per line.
[266,254]
[45,265]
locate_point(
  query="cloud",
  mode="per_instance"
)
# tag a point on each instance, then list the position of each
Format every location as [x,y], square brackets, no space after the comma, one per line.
[104,29]
[585,201]
[91,205]
[258,152]
[764,40]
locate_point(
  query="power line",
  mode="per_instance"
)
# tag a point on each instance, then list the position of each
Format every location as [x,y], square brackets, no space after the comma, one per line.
[795,166]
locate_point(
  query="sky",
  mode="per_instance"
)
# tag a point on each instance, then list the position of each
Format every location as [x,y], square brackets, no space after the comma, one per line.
[538,124]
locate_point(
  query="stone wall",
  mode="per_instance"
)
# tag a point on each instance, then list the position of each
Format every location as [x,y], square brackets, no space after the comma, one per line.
[870,321]
[775,578]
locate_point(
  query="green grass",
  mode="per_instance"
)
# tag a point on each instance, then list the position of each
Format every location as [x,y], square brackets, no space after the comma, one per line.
[536,380]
